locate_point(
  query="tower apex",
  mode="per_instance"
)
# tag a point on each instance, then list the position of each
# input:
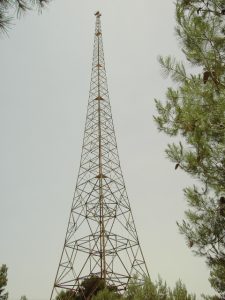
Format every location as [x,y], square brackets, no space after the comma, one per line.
[97,14]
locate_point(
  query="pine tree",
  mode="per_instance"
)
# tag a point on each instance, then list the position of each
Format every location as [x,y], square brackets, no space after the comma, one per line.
[157,291]
[10,8]
[194,112]
[3,282]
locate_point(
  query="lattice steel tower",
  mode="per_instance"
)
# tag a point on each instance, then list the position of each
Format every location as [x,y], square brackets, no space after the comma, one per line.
[101,237]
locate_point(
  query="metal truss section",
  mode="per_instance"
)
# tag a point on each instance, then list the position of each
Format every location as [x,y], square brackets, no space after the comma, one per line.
[101,237]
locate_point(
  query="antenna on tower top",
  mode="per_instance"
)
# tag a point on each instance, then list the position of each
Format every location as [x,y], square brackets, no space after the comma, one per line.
[97,14]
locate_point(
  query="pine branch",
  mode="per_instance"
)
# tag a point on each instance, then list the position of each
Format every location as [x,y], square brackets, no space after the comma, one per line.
[8,7]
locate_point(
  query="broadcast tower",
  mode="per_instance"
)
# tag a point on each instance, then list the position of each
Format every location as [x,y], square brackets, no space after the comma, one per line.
[101,238]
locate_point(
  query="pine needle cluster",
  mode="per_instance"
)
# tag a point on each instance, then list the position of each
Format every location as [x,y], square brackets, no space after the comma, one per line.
[194,112]
[9,9]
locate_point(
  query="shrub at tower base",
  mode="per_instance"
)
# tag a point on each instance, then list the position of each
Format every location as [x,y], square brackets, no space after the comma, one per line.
[89,288]
[195,112]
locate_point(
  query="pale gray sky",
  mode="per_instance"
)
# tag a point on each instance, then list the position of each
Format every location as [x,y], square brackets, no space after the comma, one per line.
[45,73]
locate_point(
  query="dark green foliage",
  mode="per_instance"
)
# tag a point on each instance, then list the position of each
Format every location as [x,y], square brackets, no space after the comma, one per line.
[211,297]
[138,292]
[180,292]
[217,276]
[92,285]
[106,294]
[3,282]
[23,297]
[10,8]
[149,291]
[67,295]
[89,287]
[194,111]
[158,291]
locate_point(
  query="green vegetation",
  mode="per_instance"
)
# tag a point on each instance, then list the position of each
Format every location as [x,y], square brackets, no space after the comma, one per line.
[150,290]
[23,297]
[89,287]
[194,112]
[8,9]
[3,282]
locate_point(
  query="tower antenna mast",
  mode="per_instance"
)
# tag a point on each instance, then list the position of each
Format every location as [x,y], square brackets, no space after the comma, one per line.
[101,242]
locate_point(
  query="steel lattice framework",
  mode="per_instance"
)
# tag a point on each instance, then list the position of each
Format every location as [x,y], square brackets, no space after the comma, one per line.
[101,237]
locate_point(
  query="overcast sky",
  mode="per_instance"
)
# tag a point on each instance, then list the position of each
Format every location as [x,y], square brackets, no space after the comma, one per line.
[45,74]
